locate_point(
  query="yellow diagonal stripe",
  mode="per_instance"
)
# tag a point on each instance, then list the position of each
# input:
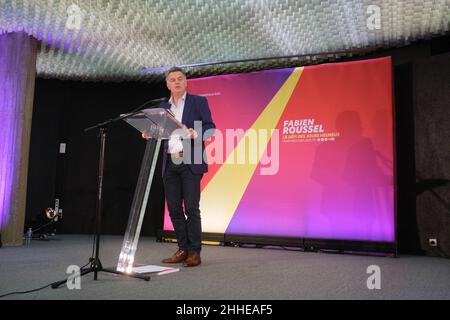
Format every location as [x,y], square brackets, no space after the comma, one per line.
[223,193]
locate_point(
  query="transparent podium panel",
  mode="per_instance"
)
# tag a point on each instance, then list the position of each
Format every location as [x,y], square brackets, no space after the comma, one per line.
[138,207]
[157,123]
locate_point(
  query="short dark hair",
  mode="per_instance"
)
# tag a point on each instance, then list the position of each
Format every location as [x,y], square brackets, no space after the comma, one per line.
[174,69]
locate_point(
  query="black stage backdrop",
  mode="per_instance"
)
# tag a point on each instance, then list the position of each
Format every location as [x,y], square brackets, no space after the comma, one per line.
[432,123]
[62,109]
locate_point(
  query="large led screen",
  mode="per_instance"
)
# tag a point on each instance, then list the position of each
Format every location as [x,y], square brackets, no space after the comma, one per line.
[301,152]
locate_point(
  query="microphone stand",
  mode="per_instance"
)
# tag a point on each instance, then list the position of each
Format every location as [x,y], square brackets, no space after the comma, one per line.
[95,263]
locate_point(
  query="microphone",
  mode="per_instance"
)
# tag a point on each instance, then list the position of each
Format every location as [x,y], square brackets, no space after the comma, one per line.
[153,103]
[160,100]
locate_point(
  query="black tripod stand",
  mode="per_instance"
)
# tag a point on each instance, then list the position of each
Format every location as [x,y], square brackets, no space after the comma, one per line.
[95,263]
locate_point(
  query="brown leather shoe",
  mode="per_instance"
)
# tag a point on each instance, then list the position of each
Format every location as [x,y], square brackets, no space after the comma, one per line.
[193,259]
[179,256]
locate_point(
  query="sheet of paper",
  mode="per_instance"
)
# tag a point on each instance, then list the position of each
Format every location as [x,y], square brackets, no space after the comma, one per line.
[154,269]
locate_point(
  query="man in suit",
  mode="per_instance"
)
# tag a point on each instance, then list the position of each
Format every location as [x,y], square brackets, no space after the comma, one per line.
[184,166]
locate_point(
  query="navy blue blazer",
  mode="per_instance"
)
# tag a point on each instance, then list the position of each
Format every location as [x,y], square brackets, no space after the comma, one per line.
[196,108]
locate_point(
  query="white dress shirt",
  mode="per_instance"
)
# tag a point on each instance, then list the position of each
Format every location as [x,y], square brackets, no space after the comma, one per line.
[175,144]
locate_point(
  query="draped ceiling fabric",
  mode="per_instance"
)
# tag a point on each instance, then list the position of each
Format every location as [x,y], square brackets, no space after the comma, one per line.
[113,40]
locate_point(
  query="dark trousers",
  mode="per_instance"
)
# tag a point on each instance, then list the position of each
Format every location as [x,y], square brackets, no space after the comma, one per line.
[183,187]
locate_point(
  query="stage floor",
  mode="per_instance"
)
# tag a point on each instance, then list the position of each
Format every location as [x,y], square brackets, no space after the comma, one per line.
[226,273]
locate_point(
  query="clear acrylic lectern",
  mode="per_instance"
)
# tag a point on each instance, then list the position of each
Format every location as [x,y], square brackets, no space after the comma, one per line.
[158,124]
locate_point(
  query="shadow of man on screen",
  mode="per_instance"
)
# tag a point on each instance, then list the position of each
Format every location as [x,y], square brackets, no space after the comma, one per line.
[349,173]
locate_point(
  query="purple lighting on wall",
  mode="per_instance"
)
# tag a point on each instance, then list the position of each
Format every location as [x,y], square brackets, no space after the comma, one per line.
[8,139]
[17,54]
[7,161]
